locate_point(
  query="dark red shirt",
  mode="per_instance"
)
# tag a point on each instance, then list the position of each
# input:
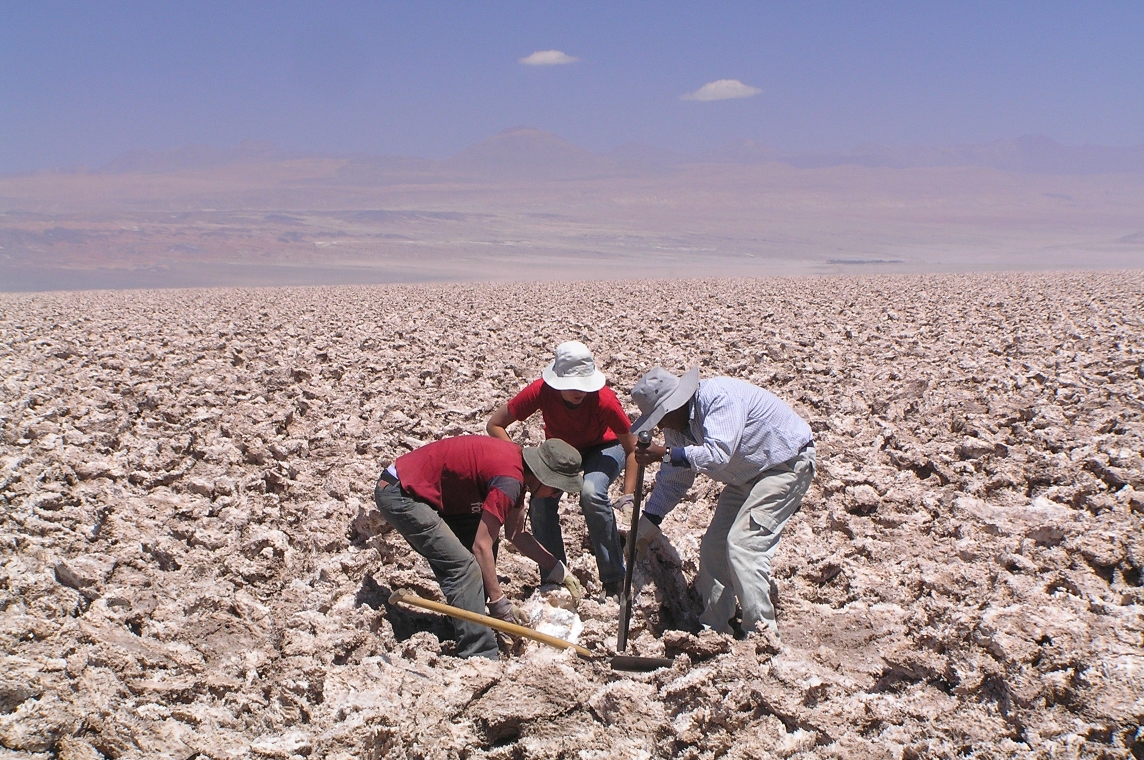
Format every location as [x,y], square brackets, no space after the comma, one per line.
[465,475]
[598,419]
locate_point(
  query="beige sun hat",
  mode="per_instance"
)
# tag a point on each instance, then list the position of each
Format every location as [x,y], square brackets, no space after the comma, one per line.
[556,464]
[574,369]
[659,392]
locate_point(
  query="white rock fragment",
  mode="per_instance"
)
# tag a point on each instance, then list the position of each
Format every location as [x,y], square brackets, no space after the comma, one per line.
[86,573]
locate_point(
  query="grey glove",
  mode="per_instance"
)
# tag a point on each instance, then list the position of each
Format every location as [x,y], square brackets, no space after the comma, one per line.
[561,575]
[624,506]
[503,609]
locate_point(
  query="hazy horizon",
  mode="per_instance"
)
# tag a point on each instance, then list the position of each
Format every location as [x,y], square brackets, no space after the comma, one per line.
[293,143]
[1089,158]
[529,205]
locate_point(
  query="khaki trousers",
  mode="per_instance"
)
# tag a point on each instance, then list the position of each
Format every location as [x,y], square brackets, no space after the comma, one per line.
[735,554]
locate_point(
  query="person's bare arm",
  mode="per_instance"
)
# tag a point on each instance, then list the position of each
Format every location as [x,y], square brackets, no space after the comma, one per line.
[524,541]
[500,420]
[628,441]
[487,532]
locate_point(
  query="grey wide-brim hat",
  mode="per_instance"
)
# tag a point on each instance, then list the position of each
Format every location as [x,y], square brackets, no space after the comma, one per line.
[659,392]
[556,464]
[574,369]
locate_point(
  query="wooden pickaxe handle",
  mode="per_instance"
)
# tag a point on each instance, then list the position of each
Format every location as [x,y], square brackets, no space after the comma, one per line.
[408,597]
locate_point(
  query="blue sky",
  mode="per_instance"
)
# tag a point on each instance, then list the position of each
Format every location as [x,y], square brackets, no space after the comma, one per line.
[81,82]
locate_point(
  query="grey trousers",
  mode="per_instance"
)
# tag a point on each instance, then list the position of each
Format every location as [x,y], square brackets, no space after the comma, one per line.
[452,562]
[735,553]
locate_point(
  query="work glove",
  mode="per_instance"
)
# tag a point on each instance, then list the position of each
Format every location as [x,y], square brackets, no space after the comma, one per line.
[562,576]
[647,532]
[624,506]
[503,609]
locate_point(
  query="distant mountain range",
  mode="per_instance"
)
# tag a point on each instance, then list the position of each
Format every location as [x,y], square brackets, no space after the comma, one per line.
[527,153]
[193,157]
[1031,153]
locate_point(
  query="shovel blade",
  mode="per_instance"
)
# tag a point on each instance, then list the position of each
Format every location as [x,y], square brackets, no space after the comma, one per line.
[639,664]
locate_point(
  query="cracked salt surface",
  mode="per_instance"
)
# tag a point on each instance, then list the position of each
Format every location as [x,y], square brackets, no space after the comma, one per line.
[191,565]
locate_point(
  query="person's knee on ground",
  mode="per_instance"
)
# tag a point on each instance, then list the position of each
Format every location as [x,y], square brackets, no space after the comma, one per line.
[453,565]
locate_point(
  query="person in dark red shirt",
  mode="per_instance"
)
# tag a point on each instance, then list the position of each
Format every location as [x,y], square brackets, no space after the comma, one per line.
[579,408]
[449,500]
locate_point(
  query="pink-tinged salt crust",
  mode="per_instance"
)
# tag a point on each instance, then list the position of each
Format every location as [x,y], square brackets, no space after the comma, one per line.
[191,568]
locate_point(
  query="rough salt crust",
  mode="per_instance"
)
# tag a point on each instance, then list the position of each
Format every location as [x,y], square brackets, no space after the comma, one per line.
[192,567]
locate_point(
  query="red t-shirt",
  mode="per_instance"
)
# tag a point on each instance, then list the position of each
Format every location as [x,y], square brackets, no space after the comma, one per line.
[598,419]
[465,475]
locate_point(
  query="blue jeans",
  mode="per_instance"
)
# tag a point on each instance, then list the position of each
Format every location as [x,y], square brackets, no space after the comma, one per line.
[601,466]
[449,556]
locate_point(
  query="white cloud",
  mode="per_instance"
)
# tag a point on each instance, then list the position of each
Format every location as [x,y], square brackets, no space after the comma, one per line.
[722,89]
[548,58]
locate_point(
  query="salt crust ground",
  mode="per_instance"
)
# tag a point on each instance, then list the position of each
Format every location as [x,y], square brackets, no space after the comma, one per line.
[190,567]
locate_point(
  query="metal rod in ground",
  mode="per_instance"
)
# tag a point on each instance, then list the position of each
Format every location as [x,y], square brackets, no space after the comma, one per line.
[408,597]
[626,594]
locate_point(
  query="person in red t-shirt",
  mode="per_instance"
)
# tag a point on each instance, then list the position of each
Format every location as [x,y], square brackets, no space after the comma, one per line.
[579,408]
[449,500]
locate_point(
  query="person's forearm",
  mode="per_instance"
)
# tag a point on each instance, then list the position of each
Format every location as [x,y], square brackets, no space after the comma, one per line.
[711,457]
[670,485]
[488,564]
[496,431]
[630,470]
[532,549]
[498,423]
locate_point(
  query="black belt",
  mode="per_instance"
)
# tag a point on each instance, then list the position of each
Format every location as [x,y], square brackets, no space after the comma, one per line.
[808,445]
[388,478]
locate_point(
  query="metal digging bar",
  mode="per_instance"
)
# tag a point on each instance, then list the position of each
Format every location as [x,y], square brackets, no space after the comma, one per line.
[629,571]
[627,662]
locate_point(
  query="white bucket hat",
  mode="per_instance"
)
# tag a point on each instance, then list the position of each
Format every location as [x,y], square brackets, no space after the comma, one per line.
[574,369]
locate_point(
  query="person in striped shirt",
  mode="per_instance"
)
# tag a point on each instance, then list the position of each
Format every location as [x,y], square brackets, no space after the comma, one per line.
[745,437]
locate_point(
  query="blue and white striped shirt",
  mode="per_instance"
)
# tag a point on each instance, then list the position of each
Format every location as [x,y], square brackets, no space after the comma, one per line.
[737,431]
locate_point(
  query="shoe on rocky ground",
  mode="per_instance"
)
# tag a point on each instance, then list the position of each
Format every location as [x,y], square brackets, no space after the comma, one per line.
[611,591]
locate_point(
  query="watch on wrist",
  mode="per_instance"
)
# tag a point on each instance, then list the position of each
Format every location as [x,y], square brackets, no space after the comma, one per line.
[666,457]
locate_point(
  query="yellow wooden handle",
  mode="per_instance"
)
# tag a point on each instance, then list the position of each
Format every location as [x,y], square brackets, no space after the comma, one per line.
[408,597]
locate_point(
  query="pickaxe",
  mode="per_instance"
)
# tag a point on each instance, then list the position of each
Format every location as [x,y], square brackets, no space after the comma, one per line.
[619,662]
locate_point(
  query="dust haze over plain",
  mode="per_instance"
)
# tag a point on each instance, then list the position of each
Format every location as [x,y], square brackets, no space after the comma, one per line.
[288,144]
